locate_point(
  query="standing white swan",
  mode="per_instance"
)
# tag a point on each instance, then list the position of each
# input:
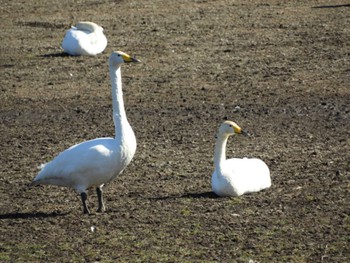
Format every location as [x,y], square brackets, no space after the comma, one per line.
[96,162]
[86,38]
[235,177]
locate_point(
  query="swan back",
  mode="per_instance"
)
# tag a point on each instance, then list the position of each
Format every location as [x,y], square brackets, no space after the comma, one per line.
[89,27]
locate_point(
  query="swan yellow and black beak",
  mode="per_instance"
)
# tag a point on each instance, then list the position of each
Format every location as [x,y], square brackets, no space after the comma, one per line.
[127,58]
[238,130]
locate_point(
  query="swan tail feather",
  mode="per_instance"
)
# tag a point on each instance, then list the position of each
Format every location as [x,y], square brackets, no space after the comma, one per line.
[34,183]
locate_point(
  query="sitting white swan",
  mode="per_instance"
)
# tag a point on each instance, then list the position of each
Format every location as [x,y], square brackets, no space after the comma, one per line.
[96,162]
[86,38]
[234,177]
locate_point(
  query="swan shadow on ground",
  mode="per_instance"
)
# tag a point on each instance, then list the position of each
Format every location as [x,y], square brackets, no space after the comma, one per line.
[55,55]
[208,195]
[38,24]
[31,215]
[332,6]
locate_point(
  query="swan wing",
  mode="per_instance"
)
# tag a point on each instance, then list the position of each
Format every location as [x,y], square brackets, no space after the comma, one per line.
[77,42]
[91,163]
[73,42]
[240,176]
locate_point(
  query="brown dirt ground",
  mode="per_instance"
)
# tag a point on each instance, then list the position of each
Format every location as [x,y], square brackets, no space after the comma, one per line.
[278,68]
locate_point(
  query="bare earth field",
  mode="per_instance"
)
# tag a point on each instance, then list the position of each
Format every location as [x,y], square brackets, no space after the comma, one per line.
[280,69]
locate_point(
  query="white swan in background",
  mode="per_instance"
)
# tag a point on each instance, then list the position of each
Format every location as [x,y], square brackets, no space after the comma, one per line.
[235,177]
[86,38]
[96,162]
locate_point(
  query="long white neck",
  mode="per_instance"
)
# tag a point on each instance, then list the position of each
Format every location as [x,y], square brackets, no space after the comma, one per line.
[119,115]
[220,150]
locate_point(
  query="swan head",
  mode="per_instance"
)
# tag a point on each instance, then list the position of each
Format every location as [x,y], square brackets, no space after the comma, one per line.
[89,27]
[228,128]
[119,57]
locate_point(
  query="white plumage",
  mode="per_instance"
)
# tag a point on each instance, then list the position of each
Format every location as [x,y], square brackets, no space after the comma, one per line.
[96,162]
[86,38]
[235,177]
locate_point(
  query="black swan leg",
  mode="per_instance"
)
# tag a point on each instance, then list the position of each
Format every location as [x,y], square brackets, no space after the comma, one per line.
[101,206]
[83,199]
